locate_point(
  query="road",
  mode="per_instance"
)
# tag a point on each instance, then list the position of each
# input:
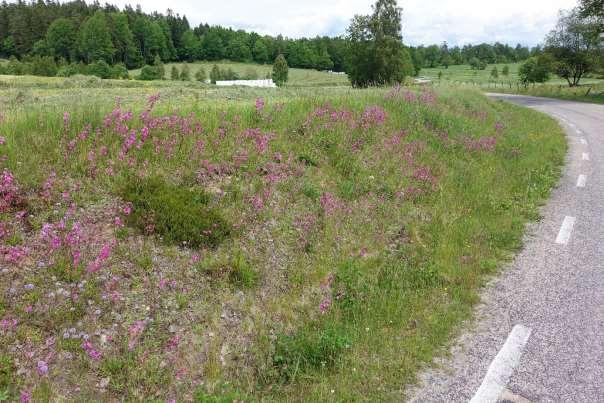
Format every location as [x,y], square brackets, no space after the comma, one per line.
[539,331]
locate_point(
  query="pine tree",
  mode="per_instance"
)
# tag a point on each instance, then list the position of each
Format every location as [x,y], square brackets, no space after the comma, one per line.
[185,73]
[280,71]
[174,74]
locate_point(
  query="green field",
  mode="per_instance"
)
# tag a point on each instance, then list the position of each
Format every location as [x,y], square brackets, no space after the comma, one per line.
[297,77]
[464,74]
[298,244]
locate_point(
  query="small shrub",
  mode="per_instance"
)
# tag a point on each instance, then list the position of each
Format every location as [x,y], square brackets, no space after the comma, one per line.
[174,74]
[177,214]
[100,69]
[215,74]
[150,73]
[308,350]
[120,71]
[185,73]
[200,75]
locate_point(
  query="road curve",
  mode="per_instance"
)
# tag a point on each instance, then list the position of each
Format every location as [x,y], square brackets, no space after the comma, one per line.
[539,331]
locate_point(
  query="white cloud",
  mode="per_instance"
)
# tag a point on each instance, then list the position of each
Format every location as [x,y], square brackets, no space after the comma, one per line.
[425,21]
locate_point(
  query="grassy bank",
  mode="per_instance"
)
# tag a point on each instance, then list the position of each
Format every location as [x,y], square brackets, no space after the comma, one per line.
[296,245]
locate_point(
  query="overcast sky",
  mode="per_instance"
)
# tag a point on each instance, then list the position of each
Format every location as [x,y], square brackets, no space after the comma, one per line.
[425,21]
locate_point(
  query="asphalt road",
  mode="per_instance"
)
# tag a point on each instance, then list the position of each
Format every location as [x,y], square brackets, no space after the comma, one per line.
[539,332]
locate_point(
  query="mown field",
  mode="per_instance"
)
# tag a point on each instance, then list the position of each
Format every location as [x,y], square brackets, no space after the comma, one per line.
[175,243]
[466,75]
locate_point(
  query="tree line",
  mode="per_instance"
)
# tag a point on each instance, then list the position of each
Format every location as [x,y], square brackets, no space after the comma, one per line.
[79,32]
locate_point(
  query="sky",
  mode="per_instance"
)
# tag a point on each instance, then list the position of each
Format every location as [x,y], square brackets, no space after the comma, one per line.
[424,21]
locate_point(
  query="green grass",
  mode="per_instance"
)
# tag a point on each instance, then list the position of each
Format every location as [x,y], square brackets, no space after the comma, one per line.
[590,90]
[464,74]
[363,226]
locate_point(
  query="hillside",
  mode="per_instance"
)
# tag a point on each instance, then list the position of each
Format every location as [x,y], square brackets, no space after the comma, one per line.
[193,243]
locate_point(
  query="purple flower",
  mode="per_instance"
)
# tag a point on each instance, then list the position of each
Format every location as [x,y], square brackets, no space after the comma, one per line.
[42,368]
[259,104]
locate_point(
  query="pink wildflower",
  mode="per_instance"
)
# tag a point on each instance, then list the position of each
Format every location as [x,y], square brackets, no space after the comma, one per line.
[135,332]
[42,368]
[2,140]
[325,305]
[259,104]
[25,397]
[127,209]
[91,351]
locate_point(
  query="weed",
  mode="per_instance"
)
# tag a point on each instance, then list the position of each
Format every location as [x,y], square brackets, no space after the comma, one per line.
[242,274]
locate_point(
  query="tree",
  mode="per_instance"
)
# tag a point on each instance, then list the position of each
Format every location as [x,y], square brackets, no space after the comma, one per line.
[592,8]
[61,37]
[159,67]
[212,46]
[376,52]
[573,46]
[505,71]
[260,52]
[534,70]
[200,75]
[123,41]
[185,73]
[215,74]
[495,72]
[174,74]
[191,46]
[100,69]
[94,41]
[280,71]
[477,64]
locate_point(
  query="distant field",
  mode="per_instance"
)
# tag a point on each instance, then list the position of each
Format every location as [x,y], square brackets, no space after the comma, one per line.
[297,77]
[465,74]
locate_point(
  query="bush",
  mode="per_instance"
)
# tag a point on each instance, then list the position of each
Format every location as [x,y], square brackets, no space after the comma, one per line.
[177,214]
[120,71]
[174,74]
[185,73]
[495,72]
[280,71]
[100,69]
[505,71]
[150,73]
[200,75]
[534,70]
[44,66]
[68,70]
[215,74]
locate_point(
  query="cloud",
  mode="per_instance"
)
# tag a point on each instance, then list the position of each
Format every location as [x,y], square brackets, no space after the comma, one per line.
[425,21]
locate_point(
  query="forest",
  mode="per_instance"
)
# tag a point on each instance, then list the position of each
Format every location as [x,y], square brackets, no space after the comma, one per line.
[49,34]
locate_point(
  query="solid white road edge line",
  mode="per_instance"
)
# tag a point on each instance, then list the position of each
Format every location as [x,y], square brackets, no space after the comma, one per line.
[566,230]
[502,366]
[582,181]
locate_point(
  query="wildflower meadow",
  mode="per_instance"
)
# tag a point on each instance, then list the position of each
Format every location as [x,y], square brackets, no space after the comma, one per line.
[246,246]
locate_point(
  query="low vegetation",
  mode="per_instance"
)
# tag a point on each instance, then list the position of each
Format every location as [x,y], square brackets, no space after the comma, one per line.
[316,243]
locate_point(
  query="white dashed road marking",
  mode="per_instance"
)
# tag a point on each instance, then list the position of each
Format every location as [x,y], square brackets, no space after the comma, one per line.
[582,181]
[585,157]
[503,366]
[566,230]
[584,142]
